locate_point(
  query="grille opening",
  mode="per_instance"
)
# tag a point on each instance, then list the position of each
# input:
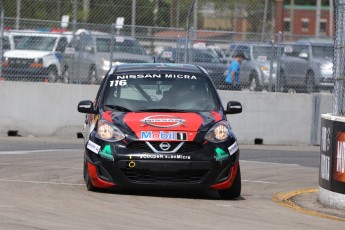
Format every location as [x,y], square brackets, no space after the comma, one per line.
[144,175]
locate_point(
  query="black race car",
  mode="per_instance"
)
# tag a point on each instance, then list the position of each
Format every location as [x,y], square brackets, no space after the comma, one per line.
[160,126]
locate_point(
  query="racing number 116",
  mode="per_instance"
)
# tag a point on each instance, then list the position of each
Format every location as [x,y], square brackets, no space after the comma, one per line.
[118,83]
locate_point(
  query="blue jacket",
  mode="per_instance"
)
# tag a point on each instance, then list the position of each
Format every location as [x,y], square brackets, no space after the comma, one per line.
[233,67]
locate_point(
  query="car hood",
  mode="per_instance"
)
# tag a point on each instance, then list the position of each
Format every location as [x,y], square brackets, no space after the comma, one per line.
[163,126]
[126,57]
[26,53]
[323,60]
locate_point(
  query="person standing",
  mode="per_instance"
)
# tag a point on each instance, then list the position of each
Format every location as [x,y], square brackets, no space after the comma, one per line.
[233,76]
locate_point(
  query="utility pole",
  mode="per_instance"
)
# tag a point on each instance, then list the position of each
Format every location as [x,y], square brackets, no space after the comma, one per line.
[18,14]
[263,31]
[134,6]
[318,16]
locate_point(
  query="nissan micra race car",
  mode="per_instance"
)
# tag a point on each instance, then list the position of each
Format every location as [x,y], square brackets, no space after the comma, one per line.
[160,126]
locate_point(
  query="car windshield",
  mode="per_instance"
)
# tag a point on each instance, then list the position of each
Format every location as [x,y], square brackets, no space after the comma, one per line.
[35,43]
[179,92]
[121,45]
[263,53]
[322,51]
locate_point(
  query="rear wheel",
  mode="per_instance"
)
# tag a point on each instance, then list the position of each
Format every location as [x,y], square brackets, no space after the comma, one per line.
[235,190]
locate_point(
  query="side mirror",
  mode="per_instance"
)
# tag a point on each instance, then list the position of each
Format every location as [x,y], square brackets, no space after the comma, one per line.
[86,107]
[303,55]
[233,107]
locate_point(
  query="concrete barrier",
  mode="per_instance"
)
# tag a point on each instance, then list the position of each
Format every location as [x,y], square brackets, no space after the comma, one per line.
[44,109]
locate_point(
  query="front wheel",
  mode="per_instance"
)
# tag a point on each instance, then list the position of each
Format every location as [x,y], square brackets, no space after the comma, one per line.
[310,82]
[93,75]
[88,182]
[66,75]
[235,190]
[52,74]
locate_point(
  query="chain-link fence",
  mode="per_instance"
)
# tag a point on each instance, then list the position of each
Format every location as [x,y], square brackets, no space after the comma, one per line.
[288,45]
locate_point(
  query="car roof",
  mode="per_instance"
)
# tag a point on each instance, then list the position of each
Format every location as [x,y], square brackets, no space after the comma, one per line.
[155,67]
[102,34]
[315,41]
[35,33]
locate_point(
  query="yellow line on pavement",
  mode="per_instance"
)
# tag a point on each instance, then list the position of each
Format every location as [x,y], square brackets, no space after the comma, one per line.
[284,199]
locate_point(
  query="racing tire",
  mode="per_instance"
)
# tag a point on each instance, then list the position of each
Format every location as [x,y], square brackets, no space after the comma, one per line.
[52,75]
[88,182]
[92,79]
[235,190]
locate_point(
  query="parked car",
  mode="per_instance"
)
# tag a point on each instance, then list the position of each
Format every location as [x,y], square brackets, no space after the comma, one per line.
[88,59]
[202,57]
[307,65]
[160,126]
[255,70]
[36,56]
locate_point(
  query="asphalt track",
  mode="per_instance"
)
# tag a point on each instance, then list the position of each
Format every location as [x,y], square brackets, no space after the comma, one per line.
[41,187]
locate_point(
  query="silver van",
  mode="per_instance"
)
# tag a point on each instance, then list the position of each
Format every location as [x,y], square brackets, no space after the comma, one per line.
[91,54]
[307,65]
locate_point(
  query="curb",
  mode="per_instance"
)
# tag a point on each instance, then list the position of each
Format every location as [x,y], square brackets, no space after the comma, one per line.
[284,199]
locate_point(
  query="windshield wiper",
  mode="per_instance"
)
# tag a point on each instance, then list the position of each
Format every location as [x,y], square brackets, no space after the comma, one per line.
[163,110]
[118,108]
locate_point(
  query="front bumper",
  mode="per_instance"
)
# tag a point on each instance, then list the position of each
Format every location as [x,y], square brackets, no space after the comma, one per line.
[130,167]
[29,74]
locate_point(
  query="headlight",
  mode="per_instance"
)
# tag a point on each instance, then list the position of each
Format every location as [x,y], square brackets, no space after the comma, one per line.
[109,132]
[105,65]
[327,66]
[219,132]
[264,68]
[38,60]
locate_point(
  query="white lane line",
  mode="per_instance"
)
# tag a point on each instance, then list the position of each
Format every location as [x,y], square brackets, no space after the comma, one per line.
[35,151]
[268,163]
[259,181]
[61,167]
[40,182]
[225,205]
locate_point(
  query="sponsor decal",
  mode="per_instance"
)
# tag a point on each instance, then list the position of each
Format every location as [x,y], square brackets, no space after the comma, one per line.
[325,138]
[221,154]
[163,121]
[165,157]
[165,146]
[339,158]
[163,136]
[155,76]
[233,148]
[107,153]
[93,147]
[85,106]
[324,167]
